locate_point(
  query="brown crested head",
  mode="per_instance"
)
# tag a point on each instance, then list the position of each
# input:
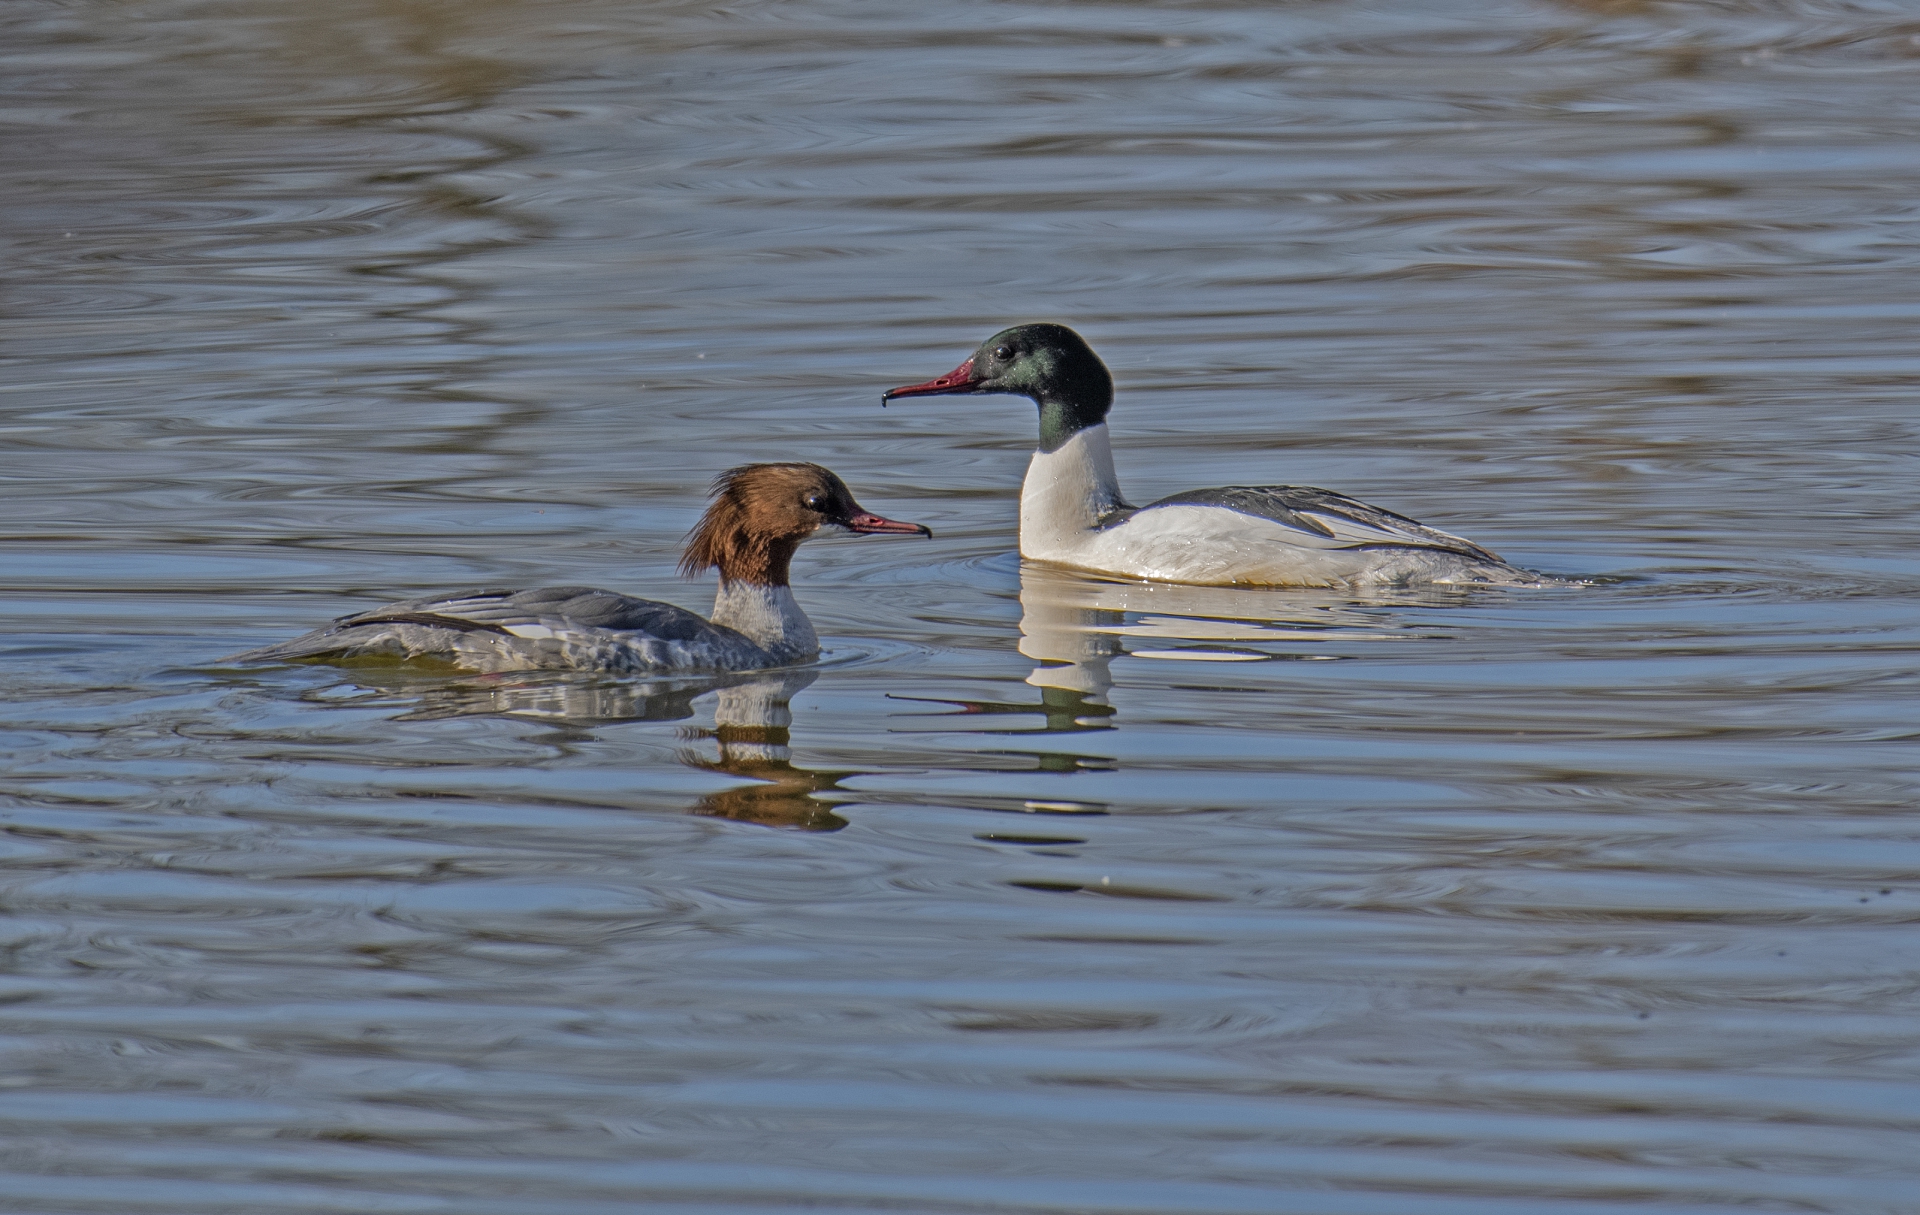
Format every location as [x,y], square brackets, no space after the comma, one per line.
[760,513]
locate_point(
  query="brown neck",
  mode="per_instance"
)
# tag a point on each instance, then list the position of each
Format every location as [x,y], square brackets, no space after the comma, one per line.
[759,563]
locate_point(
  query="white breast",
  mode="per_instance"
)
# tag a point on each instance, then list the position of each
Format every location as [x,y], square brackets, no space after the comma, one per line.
[1066,494]
[768,616]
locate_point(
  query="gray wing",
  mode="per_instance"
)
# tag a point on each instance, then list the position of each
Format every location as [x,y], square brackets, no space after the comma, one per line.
[579,607]
[1333,520]
[549,626]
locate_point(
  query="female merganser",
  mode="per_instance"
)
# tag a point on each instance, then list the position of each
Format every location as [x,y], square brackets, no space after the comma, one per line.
[759,516]
[1071,511]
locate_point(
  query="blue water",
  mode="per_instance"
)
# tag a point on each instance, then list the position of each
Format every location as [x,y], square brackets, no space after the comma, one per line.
[1043,893]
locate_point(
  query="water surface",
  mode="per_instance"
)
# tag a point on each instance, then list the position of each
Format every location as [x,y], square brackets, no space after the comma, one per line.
[1042,893]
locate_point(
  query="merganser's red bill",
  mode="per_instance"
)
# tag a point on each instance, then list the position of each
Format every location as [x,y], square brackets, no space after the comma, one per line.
[960,379]
[863,524]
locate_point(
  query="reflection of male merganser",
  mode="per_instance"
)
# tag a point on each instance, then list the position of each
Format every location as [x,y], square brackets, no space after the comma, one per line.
[759,516]
[1071,511]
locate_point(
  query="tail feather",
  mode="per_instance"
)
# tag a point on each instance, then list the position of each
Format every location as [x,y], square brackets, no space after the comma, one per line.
[334,641]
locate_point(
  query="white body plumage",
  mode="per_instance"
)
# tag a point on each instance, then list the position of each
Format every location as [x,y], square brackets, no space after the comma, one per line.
[1072,513]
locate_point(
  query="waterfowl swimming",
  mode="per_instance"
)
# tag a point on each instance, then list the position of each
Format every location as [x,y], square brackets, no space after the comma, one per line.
[1072,513]
[759,515]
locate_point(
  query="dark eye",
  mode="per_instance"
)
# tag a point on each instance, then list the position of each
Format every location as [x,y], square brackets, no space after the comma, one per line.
[815,502]
[1003,352]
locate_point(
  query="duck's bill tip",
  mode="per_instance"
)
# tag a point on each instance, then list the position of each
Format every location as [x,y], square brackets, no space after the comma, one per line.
[864,524]
[960,379]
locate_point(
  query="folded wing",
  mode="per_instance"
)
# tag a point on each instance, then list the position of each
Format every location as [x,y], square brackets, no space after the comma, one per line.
[563,622]
[577,607]
[1326,519]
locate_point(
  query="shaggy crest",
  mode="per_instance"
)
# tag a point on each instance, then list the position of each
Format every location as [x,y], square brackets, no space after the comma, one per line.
[759,516]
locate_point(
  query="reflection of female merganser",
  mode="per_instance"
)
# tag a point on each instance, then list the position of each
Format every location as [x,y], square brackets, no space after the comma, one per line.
[751,727]
[1071,511]
[751,717]
[759,516]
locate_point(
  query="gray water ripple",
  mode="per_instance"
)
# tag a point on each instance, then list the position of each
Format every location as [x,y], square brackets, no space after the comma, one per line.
[1583,900]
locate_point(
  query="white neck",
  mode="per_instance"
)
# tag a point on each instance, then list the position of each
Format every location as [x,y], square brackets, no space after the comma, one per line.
[1066,493]
[769,617]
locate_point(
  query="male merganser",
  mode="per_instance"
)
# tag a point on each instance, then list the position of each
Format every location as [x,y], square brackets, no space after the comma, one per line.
[1071,511]
[759,515]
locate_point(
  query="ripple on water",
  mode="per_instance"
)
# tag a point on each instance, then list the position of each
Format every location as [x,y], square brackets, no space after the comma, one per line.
[1041,892]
